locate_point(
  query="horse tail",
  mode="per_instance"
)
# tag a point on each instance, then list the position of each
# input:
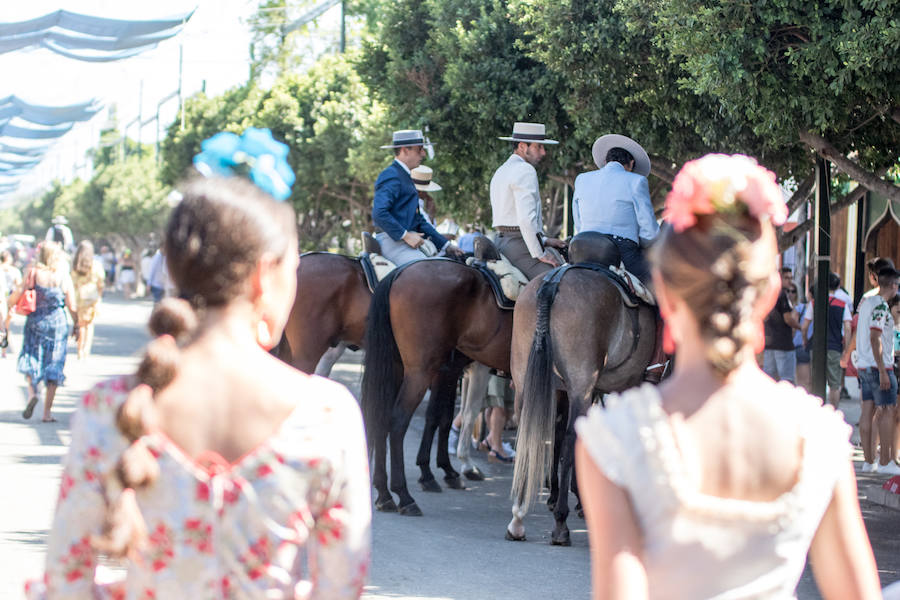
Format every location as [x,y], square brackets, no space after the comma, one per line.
[535,437]
[383,372]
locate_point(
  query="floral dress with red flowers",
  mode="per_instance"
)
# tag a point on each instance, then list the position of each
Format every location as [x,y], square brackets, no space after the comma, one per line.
[291,519]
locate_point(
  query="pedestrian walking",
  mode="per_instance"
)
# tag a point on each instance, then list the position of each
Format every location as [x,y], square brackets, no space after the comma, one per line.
[12,279]
[88,280]
[682,503]
[203,472]
[46,333]
[837,336]
[877,380]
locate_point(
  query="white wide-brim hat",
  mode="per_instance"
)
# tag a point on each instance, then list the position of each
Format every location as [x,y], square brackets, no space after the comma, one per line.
[529,133]
[421,177]
[614,140]
[408,137]
[59,220]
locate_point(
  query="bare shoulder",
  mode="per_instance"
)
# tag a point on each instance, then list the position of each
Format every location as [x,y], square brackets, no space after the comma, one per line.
[292,386]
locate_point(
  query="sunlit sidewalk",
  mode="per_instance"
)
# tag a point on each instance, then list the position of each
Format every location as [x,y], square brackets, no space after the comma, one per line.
[31,451]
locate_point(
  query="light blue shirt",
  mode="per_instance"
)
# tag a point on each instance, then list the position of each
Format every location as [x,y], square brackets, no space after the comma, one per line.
[614,201]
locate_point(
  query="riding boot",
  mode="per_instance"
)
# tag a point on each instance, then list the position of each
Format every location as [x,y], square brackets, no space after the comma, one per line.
[660,359]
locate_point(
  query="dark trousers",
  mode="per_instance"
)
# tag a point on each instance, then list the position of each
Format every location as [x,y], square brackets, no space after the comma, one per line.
[633,258]
[512,246]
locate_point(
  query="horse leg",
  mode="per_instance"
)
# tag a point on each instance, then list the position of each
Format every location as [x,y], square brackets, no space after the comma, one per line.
[410,396]
[445,400]
[560,535]
[384,502]
[515,530]
[559,435]
[426,480]
[473,403]
[331,356]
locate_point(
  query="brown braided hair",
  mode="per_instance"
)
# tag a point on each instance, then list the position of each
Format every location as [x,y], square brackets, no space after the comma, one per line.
[719,265]
[214,240]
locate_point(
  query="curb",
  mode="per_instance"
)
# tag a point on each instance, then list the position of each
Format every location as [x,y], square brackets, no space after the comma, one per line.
[877,495]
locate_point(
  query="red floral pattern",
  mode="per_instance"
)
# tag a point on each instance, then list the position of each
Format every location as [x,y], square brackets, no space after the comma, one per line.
[79,562]
[201,523]
[199,535]
[161,547]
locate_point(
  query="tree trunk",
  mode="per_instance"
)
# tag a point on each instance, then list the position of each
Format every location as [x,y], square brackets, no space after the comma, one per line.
[865,178]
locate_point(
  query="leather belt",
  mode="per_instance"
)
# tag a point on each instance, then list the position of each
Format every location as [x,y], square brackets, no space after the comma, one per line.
[507,229]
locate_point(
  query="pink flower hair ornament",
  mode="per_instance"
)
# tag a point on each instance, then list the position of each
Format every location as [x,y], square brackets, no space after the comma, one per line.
[721,183]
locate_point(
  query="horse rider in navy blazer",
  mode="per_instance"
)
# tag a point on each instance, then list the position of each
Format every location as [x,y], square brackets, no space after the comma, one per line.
[402,230]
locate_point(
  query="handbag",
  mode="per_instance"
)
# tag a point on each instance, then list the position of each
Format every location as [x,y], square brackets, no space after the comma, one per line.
[27,302]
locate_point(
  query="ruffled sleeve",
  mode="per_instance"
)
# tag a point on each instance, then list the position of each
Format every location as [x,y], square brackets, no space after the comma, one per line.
[339,547]
[80,510]
[602,432]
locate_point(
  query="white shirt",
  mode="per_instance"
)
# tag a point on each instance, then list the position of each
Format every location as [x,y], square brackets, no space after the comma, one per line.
[874,315]
[516,201]
[614,201]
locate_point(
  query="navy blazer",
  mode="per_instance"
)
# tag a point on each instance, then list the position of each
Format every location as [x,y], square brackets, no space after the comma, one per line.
[395,207]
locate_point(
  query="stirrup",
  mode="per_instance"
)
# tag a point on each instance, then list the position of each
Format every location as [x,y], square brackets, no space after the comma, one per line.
[654,373]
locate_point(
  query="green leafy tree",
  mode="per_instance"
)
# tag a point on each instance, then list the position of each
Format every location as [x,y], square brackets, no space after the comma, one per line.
[804,75]
[463,69]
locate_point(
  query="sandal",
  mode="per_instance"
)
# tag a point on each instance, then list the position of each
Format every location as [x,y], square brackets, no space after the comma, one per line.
[29,409]
[50,420]
[494,456]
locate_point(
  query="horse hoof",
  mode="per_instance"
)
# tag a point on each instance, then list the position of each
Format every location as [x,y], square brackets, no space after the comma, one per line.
[386,505]
[551,505]
[561,538]
[411,510]
[430,486]
[514,538]
[454,483]
[474,474]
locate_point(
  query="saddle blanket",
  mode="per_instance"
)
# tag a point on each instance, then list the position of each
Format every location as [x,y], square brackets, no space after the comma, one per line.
[512,280]
[637,286]
[381,265]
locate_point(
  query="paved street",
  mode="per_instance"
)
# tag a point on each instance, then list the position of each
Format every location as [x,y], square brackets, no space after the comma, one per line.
[455,551]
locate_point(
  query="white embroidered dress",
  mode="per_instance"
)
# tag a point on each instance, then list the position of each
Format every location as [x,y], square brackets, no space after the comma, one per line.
[701,546]
[291,519]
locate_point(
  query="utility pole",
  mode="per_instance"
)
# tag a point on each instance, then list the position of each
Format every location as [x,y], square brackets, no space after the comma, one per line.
[140,118]
[180,78]
[823,269]
[343,26]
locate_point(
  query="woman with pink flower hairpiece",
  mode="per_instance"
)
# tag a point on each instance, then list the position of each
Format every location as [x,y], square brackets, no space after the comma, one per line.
[717,483]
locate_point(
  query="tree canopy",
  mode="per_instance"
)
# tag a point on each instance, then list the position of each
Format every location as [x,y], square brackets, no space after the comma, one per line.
[781,81]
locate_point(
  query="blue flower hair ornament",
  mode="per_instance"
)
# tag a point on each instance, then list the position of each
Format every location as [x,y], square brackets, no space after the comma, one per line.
[254,154]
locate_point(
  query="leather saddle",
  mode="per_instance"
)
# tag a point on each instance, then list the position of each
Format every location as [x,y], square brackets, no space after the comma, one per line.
[597,252]
[375,266]
[504,279]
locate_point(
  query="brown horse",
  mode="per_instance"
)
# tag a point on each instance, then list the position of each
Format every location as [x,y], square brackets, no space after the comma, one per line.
[428,319]
[330,308]
[590,343]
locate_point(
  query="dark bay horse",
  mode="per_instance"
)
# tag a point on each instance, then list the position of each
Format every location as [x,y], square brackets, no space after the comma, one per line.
[588,343]
[427,320]
[331,307]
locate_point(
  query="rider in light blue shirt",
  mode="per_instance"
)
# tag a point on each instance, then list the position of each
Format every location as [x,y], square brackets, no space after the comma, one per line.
[615,200]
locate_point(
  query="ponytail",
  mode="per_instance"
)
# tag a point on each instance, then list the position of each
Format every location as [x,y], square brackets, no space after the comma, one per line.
[172,324]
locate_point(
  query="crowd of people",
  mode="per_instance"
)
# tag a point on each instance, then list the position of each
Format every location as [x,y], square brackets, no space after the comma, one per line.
[208,478]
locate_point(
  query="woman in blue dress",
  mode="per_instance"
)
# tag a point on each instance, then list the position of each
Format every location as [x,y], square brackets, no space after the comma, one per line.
[43,355]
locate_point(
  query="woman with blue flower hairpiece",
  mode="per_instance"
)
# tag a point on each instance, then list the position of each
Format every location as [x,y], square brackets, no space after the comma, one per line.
[202,471]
